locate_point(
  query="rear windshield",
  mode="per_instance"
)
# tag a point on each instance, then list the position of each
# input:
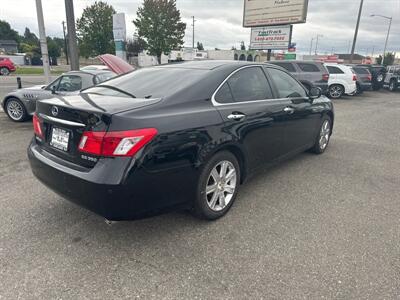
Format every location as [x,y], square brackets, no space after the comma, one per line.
[307,67]
[361,70]
[155,82]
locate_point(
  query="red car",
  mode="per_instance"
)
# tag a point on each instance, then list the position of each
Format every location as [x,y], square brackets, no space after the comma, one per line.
[6,66]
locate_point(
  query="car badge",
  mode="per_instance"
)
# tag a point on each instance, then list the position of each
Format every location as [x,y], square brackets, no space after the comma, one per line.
[54,111]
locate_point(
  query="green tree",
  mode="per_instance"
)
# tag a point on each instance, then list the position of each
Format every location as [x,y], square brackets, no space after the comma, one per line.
[95,27]
[7,33]
[388,60]
[135,46]
[54,50]
[159,23]
[242,46]
[200,46]
[30,38]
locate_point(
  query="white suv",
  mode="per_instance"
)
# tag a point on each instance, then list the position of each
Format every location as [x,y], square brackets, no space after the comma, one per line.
[342,80]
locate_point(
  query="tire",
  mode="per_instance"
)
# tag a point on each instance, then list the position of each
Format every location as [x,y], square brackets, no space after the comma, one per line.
[4,71]
[323,137]
[15,110]
[335,91]
[214,202]
[392,85]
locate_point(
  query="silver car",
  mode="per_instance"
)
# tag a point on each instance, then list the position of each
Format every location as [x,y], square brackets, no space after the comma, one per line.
[21,103]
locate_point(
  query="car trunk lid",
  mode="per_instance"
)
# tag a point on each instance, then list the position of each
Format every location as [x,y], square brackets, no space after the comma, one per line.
[63,120]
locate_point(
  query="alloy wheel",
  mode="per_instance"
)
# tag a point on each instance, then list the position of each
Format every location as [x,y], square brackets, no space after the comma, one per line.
[221,185]
[325,134]
[15,110]
[335,91]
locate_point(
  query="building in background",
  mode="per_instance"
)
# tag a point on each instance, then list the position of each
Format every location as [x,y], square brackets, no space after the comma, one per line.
[8,46]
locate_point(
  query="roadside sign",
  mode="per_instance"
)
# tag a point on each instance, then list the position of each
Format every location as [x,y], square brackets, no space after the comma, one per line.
[271,37]
[274,12]
[290,56]
[119,27]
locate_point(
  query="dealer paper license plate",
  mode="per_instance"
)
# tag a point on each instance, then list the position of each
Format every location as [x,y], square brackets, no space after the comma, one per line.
[59,139]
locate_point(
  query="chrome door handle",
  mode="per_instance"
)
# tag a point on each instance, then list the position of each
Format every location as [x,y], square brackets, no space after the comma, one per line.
[288,110]
[236,116]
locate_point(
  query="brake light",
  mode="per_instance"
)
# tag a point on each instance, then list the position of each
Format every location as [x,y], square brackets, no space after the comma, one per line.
[37,126]
[369,77]
[116,143]
[325,77]
[354,77]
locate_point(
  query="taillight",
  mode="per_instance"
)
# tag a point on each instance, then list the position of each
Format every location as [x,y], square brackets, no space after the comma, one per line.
[354,77]
[369,77]
[325,77]
[37,126]
[116,143]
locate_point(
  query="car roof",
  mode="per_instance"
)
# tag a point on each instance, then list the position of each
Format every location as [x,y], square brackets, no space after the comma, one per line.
[209,64]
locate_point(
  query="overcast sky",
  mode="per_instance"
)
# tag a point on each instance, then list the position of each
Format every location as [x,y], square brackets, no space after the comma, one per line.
[219,22]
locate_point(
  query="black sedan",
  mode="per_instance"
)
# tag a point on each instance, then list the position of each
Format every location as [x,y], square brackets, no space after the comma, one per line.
[176,136]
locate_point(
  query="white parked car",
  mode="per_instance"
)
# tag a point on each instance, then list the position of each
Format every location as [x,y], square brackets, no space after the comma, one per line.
[342,80]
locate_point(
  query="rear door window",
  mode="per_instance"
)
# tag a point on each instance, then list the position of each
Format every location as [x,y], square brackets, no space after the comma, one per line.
[287,66]
[224,95]
[334,70]
[286,85]
[306,67]
[249,84]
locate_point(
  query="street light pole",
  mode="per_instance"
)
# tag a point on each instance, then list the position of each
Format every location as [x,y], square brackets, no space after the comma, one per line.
[316,43]
[193,31]
[312,40]
[388,33]
[356,32]
[43,41]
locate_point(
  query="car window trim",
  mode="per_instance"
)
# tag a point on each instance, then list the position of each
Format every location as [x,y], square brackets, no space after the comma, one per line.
[216,103]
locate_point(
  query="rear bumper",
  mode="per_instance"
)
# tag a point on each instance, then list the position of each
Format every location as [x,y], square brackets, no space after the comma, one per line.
[365,86]
[110,190]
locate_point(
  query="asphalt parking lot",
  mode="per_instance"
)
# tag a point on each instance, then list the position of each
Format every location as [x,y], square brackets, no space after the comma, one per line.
[313,227]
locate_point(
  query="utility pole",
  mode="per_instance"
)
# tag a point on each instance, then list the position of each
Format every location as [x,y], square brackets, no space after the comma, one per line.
[356,32]
[193,31]
[73,48]
[43,41]
[316,43]
[65,43]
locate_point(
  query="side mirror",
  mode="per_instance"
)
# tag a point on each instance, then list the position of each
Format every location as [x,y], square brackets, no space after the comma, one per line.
[53,89]
[315,92]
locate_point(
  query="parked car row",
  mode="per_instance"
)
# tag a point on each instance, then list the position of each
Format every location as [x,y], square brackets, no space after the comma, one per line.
[336,80]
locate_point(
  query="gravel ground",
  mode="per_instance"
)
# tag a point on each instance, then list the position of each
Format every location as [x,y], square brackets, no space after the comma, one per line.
[313,227]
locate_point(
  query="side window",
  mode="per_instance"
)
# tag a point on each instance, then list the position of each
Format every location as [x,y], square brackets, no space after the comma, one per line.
[288,67]
[70,83]
[224,94]
[287,86]
[249,84]
[54,83]
[334,70]
[305,67]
